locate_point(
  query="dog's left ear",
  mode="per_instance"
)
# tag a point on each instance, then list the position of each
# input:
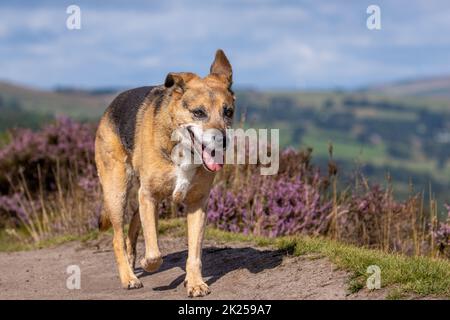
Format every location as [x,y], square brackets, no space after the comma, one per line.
[222,67]
[178,80]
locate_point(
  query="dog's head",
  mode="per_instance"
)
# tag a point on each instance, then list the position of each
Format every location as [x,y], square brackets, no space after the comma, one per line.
[203,109]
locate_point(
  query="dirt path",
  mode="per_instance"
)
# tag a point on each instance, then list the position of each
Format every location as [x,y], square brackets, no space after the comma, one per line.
[234,271]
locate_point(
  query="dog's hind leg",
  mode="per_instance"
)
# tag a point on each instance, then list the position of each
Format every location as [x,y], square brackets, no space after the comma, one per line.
[115,197]
[149,218]
[114,178]
[133,233]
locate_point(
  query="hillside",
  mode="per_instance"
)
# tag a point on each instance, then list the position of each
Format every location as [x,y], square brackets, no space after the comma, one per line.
[407,136]
[75,103]
[433,87]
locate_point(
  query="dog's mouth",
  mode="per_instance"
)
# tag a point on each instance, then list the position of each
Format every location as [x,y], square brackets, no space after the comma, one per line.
[209,157]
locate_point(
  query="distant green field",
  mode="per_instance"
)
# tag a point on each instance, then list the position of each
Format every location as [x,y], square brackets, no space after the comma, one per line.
[76,104]
[345,149]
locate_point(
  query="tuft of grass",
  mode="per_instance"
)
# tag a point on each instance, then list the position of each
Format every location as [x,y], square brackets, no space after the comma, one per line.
[355,284]
[396,294]
[9,243]
[171,226]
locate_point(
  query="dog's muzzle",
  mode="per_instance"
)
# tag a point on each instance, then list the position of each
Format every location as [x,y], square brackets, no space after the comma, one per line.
[210,146]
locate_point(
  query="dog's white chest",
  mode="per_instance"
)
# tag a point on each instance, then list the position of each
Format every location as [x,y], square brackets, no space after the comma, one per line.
[183,179]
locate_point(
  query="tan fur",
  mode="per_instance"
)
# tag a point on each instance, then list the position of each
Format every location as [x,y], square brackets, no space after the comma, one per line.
[156,174]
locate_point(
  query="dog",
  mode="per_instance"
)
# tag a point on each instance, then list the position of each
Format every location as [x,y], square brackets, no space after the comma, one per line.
[135,142]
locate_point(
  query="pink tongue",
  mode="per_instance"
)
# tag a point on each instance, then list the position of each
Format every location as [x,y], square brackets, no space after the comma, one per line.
[208,161]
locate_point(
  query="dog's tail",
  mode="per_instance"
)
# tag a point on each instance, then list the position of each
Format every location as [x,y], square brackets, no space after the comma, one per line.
[104,223]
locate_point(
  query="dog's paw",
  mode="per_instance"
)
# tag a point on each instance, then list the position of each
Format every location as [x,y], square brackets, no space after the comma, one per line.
[197,289]
[133,283]
[151,264]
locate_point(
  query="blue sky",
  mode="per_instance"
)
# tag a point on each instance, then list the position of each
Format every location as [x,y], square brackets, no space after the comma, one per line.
[271,44]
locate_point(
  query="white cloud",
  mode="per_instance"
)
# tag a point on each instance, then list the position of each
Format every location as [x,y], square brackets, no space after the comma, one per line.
[324,43]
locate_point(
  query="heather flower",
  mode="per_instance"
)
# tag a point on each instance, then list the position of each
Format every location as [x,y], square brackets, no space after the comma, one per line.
[442,235]
[62,150]
[271,206]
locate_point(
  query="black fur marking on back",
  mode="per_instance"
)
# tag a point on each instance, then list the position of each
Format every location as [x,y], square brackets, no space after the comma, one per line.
[157,98]
[125,107]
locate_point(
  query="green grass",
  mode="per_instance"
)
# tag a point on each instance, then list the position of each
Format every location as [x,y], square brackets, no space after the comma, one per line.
[402,275]
[386,115]
[348,150]
[405,275]
[79,106]
[9,243]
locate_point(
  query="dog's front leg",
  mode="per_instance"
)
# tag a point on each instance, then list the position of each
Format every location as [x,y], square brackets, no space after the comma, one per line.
[149,219]
[196,221]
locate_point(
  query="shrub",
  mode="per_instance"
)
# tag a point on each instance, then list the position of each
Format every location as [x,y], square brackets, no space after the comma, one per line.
[271,206]
[55,157]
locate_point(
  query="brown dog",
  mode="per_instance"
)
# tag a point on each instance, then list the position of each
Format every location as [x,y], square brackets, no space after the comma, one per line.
[134,142]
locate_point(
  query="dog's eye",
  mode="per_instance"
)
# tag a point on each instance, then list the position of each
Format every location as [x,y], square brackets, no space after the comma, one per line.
[228,112]
[199,113]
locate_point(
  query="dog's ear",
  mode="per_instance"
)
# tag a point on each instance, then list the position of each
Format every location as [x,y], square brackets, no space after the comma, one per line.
[222,67]
[178,80]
